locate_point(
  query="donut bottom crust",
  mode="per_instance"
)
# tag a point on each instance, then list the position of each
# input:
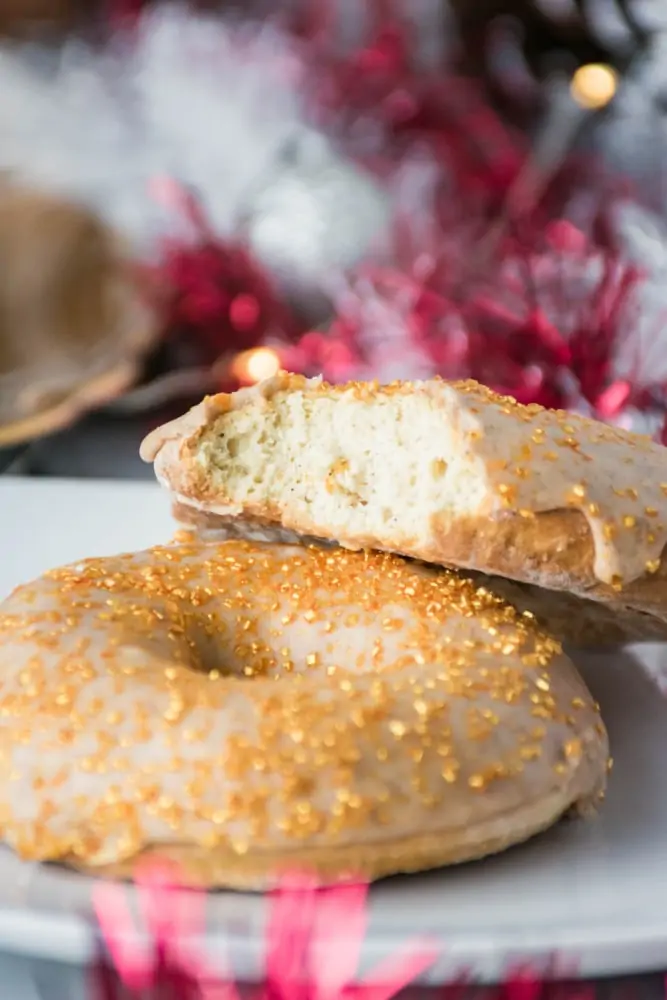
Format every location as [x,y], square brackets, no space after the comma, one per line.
[222,868]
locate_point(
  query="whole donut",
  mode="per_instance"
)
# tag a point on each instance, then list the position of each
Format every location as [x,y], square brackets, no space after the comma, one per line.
[243,707]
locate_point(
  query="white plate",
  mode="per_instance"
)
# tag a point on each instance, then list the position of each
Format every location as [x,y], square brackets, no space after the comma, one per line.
[592,892]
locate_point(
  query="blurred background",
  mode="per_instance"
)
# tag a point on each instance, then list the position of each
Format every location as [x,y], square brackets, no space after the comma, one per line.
[195,195]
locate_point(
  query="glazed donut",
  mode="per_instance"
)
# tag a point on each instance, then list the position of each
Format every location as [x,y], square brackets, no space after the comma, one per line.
[243,708]
[448,473]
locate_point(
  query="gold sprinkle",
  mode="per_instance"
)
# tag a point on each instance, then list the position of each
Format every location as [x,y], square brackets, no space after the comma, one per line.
[450,772]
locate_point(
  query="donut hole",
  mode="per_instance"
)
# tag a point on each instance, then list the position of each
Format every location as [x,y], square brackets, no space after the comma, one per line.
[237,645]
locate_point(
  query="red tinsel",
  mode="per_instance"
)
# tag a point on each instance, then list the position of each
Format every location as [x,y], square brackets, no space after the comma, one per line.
[313,944]
[502,290]
[215,291]
[544,326]
[480,282]
[314,937]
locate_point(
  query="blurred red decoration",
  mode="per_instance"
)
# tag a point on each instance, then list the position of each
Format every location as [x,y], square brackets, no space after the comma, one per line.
[543,324]
[121,13]
[314,937]
[218,293]
[482,286]
[313,944]
[214,292]
[477,284]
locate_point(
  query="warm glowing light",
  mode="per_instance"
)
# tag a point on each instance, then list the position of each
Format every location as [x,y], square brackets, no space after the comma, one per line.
[255,365]
[594,85]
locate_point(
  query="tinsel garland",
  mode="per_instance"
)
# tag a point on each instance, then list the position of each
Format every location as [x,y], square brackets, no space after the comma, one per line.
[285,199]
[536,301]
[314,936]
[313,943]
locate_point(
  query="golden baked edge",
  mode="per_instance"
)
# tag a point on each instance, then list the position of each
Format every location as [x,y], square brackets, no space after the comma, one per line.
[222,868]
[583,620]
[256,872]
[552,550]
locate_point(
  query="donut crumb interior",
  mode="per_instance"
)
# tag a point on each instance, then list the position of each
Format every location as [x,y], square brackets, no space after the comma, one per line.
[364,469]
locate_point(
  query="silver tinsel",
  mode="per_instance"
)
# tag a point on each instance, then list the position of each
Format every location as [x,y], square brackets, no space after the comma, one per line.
[316,215]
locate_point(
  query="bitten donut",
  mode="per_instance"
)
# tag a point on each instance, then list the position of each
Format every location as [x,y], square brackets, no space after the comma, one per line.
[448,473]
[242,708]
